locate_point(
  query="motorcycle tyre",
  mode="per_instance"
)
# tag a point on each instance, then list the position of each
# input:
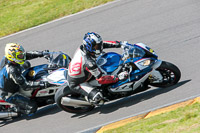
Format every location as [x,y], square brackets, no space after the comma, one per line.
[66,92]
[169,67]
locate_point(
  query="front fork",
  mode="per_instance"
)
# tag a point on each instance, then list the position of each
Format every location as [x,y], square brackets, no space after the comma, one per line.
[155,76]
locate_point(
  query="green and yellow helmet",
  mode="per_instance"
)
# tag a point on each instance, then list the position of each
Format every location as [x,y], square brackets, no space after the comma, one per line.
[15,52]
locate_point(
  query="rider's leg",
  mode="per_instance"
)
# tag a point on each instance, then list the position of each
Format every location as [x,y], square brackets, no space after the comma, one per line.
[23,104]
[92,95]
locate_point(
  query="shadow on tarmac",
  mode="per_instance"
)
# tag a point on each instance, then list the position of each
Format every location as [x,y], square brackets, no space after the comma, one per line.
[130,100]
[44,111]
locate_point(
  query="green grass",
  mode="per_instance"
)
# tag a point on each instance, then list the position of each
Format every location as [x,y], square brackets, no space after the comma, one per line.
[182,120]
[17,15]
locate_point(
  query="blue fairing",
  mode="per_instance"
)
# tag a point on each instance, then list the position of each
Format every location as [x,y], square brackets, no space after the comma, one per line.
[132,60]
[134,76]
[109,62]
[36,72]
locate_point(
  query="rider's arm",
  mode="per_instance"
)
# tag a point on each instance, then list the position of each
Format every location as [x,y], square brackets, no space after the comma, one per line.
[34,54]
[18,78]
[111,44]
[4,61]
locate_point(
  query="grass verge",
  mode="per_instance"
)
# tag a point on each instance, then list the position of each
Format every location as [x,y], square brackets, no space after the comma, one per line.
[17,15]
[181,120]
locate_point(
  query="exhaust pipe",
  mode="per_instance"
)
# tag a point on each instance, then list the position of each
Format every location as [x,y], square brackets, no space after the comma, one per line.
[74,102]
[8,114]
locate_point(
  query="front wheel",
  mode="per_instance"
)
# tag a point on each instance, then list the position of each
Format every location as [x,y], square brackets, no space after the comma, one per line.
[72,109]
[171,75]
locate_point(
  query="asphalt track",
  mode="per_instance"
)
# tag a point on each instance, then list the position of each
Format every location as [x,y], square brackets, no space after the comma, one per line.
[170,27]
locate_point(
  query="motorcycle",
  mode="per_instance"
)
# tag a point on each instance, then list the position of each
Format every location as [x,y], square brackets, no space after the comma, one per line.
[54,72]
[144,70]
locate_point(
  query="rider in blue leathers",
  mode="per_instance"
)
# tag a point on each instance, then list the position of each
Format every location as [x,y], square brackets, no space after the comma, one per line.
[11,78]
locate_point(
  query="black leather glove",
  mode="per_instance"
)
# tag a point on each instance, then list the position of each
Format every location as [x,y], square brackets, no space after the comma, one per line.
[118,44]
[44,84]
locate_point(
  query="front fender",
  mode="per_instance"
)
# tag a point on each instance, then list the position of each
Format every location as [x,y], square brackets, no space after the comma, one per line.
[157,64]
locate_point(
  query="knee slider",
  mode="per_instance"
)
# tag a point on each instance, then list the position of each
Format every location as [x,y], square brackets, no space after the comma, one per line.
[95,95]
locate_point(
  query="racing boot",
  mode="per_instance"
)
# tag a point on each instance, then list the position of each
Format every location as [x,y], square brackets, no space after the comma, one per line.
[95,97]
[23,104]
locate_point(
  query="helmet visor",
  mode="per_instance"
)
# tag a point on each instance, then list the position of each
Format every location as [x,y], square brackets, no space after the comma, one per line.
[98,48]
[20,55]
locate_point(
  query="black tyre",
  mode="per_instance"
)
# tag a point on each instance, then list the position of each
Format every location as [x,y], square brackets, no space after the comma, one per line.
[171,75]
[67,93]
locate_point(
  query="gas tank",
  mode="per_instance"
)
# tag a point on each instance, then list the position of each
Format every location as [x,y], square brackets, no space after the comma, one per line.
[34,73]
[109,62]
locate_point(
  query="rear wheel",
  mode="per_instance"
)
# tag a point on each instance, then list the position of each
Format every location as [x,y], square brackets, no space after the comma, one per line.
[171,74]
[72,109]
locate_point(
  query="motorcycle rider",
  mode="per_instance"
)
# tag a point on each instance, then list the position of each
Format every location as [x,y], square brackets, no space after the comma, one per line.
[83,66]
[11,78]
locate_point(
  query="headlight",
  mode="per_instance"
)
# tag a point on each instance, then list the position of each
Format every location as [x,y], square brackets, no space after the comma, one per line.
[145,63]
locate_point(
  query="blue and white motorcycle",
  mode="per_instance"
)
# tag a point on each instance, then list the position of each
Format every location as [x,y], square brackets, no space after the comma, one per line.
[54,72]
[144,70]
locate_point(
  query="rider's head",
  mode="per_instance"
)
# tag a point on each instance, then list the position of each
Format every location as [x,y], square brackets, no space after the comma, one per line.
[92,43]
[15,53]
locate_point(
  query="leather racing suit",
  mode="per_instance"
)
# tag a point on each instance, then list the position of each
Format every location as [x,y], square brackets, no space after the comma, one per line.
[11,79]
